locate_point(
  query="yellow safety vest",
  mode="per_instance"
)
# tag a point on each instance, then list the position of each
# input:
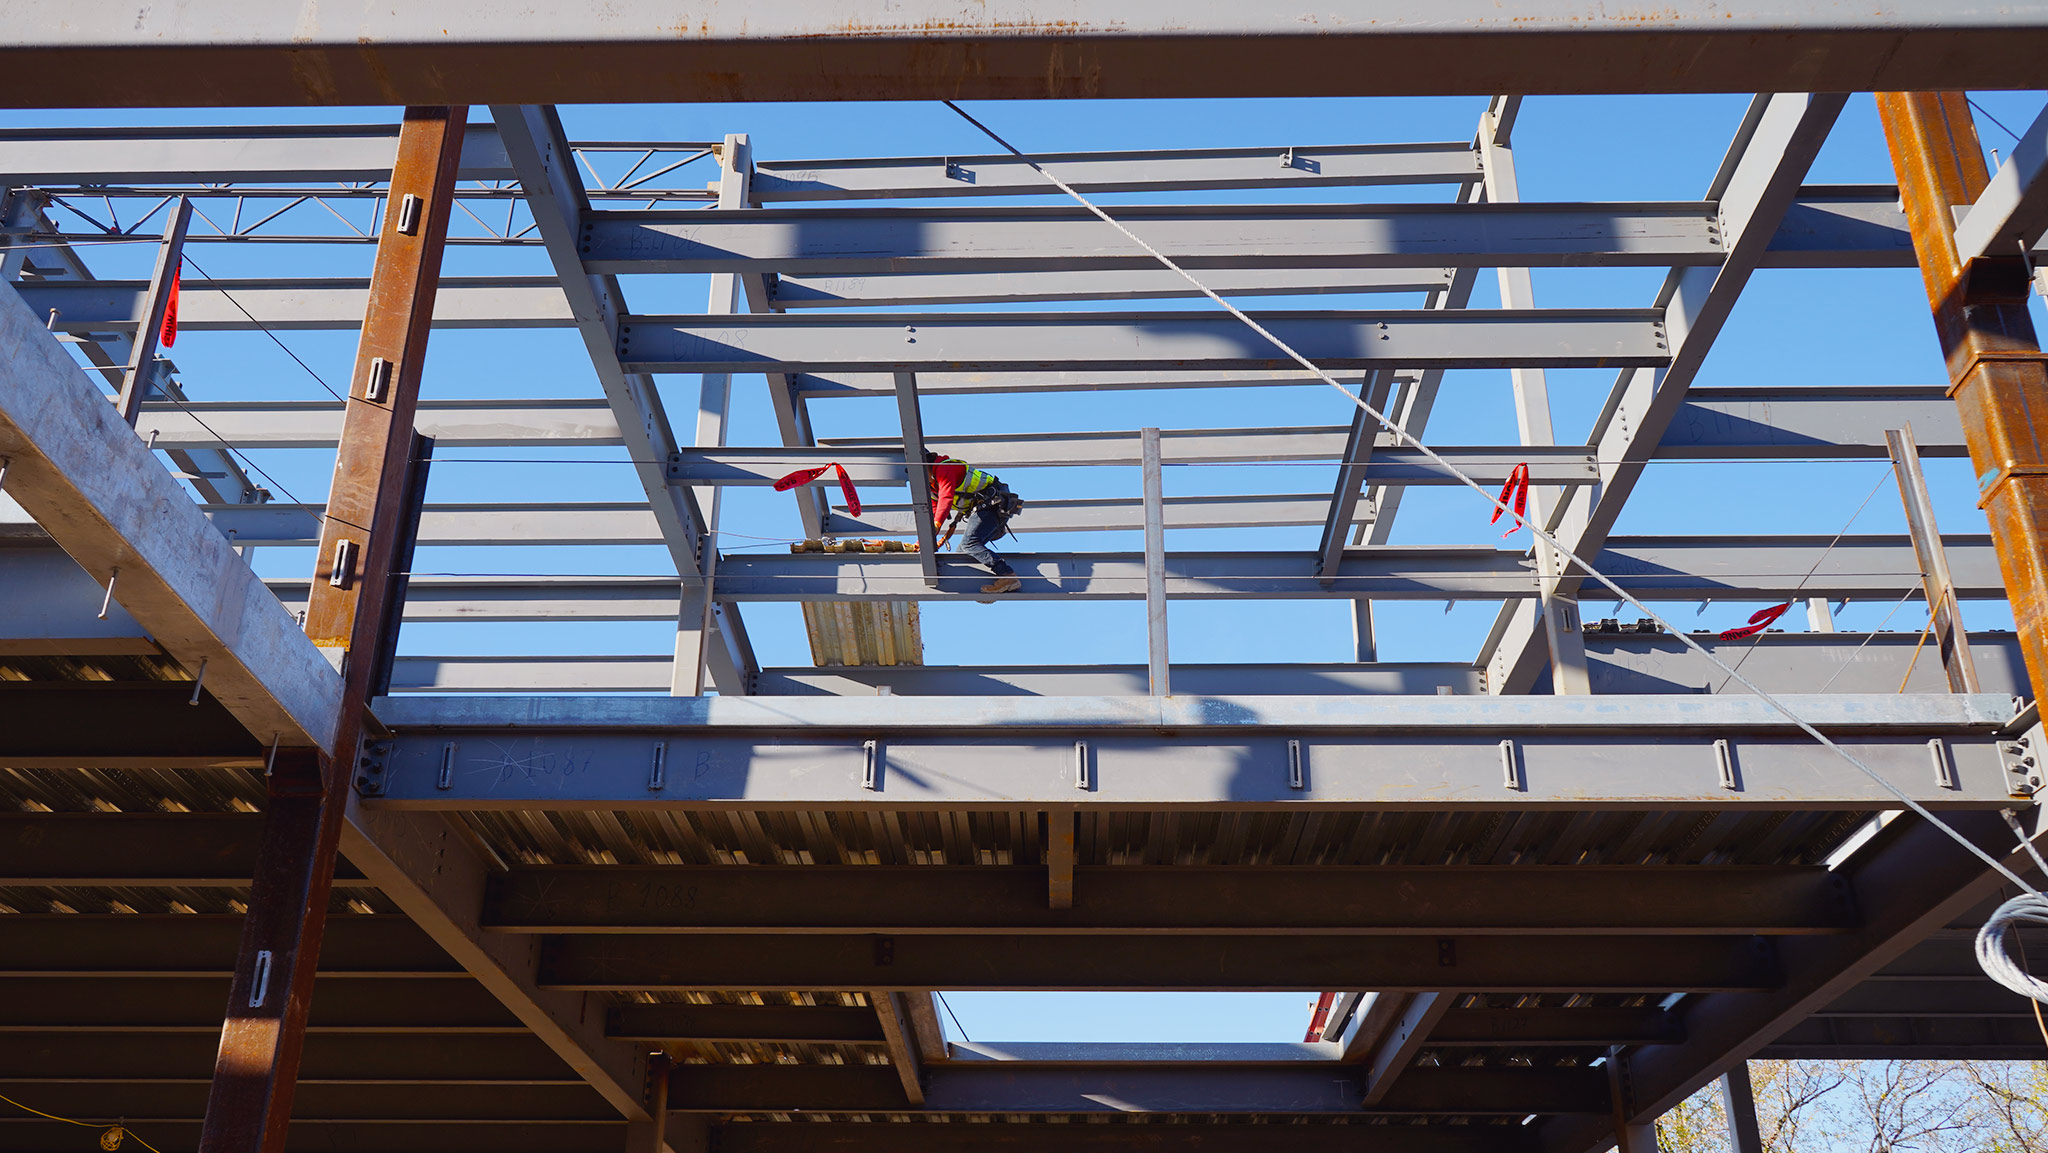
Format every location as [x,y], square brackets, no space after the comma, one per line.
[974,482]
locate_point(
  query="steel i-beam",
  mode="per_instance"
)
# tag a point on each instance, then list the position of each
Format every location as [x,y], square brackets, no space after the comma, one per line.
[249,1105]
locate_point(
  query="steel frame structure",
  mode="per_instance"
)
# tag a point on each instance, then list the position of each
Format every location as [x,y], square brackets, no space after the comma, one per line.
[1555,886]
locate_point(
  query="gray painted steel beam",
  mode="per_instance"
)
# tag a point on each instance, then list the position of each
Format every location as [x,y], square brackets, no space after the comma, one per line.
[1909,1039]
[1002,1137]
[1227,754]
[1823,421]
[298,305]
[349,1134]
[1108,514]
[203,945]
[1844,662]
[224,53]
[910,962]
[317,424]
[456,524]
[2012,213]
[1970,997]
[649,673]
[938,342]
[1006,1088]
[146,1006]
[918,289]
[1829,422]
[135,850]
[254,155]
[1418,679]
[1125,900]
[1066,238]
[1589,1025]
[377,1104]
[1841,226]
[1679,569]
[461,1060]
[1567,465]
[1147,1053]
[86,477]
[1170,170]
[670,1022]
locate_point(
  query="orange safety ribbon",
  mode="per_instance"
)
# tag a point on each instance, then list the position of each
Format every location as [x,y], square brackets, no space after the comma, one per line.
[1517,487]
[168,335]
[1758,622]
[807,475]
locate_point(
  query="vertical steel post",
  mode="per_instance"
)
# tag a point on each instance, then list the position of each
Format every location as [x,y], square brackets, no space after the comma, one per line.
[1997,374]
[1155,568]
[1560,613]
[698,607]
[1738,1101]
[651,1135]
[1359,442]
[142,351]
[1365,645]
[257,1068]
[1945,614]
[1819,617]
[920,476]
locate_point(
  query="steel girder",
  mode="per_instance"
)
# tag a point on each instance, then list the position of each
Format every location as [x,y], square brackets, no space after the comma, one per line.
[1008,1088]
[1726,423]
[920,342]
[1133,900]
[868,241]
[1216,752]
[1625,964]
[224,52]
[256,155]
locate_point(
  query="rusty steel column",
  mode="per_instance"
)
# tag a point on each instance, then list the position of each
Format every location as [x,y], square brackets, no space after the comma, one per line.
[257,1068]
[1997,373]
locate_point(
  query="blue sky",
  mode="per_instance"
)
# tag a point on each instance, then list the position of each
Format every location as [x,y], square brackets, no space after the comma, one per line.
[1792,327]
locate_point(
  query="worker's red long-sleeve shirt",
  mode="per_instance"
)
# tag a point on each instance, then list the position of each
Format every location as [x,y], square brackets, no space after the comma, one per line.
[946,481]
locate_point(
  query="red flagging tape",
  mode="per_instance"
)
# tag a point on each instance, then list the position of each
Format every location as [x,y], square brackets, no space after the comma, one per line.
[1758,622]
[1516,488]
[168,336]
[807,475]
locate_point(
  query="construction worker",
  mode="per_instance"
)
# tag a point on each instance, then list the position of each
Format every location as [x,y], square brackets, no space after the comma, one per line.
[978,505]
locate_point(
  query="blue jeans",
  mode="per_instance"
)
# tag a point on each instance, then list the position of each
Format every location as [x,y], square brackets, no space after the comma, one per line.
[980,527]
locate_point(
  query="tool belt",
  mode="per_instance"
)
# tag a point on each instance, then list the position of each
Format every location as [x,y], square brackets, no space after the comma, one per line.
[997,500]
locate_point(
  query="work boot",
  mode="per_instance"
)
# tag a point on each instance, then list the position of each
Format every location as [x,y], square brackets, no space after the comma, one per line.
[1005,583]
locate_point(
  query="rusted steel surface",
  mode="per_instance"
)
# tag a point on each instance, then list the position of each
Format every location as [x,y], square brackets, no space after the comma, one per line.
[240,53]
[1998,376]
[250,1101]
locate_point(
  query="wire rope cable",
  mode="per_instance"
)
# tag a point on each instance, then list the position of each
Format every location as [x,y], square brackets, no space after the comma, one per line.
[2006,920]
[1537,530]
